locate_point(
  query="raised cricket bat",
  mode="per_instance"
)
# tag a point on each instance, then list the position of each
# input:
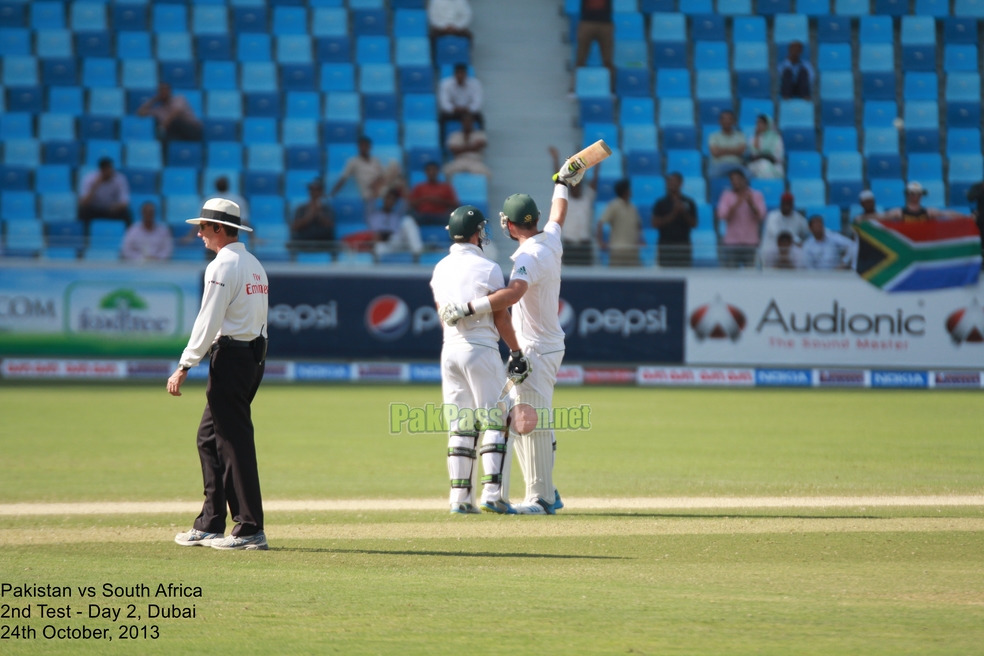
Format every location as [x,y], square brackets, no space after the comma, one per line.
[590,156]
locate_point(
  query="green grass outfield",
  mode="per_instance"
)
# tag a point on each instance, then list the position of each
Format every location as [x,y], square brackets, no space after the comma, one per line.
[823,581]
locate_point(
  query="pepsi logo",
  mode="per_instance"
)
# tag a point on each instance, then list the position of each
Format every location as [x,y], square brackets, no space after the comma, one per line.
[967,324]
[387,317]
[718,320]
[566,316]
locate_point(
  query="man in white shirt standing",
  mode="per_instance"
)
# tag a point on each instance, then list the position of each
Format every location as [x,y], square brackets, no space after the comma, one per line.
[459,95]
[534,289]
[147,240]
[449,18]
[231,326]
[784,219]
[828,250]
[471,368]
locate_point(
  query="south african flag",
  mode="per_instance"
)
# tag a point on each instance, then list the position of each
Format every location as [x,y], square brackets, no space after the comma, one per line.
[898,256]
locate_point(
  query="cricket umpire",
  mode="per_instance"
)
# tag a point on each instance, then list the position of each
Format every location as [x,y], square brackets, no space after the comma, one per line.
[231,326]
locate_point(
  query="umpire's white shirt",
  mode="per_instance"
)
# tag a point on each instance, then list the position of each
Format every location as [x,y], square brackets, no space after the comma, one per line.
[234,303]
[535,318]
[464,275]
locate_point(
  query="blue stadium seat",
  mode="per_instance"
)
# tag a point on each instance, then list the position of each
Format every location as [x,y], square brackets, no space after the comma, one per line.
[65,100]
[796,114]
[878,86]
[263,104]
[419,107]
[637,110]
[19,206]
[420,134]
[133,45]
[809,192]
[253,47]
[960,31]
[416,79]
[62,152]
[813,7]
[184,154]
[968,8]
[372,50]
[128,16]
[669,54]
[804,165]
[369,22]
[65,234]
[884,166]
[751,109]
[377,79]
[963,114]
[734,7]
[922,141]
[15,41]
[335,49]
[922,115]
[343,107]
[839,140]
[18,178]
[845,166]
[304,157]
[24,238]
[748,29]
[632,82]
[876,57]
[294,49]
[93,44]
[631,54]
[676,112]
[20,71]
[707,27]
[297,77]
[673,83]
[413,51]
[891,7]
[209,19]
[966,168]
[59,72]
[97,127]
[921,86]
[382,132]
[595,110]
[224,155]
[881,140]
[88,16]
[711,55]
[22,152]
[379,105]
[592,82]
[963,141]
[713,85]
[96,149]
[50,178]
[168,17]
[791,27]
[260,130]
[261,182]
[876,30]
[174,46]
[689,163]
[289,20]
[179,180]
[212,47]
[220,76]
[337,77]
[834,57]
[833,29]
[642,162]
[303,104]
[595,131]
[710,110]
[697,7]
[799,138]
[49,44]
[852,7]
[18,125]
[410,23]
[99,72]
[667,27]
[138,74]
[224,104]
[751,56]
[221,129]
[180,207]
[925,166]
[51,127]
[880,113]
[960,58]
[249,19]
[628,26]
[47,15]
[754,84]
[142,181]
[963,87]
[452,50]
[25,99]
[417,158]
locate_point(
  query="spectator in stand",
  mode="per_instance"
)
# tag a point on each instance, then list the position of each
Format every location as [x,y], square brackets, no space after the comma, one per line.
[785,219]
[828,250]
[913,210]
[175,118]
[766,154]
[466,145]
[674,215]
[626,228]
[460,95]
[596,25]
[795,74]
[580,215]
[449,18]
[148,240]
[787,256]
[727,147]
[313,227]
[743,210]
[867,200]
[104,194]
[433,201]
[373,179]
[394,229]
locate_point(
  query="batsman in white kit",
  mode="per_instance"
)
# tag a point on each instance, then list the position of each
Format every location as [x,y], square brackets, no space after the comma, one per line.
[472,373]
[534,291]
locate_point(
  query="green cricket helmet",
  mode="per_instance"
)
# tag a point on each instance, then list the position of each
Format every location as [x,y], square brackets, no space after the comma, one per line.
[519,209]
[465,222]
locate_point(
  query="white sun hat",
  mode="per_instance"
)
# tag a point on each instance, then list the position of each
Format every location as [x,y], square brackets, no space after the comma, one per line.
[220,210]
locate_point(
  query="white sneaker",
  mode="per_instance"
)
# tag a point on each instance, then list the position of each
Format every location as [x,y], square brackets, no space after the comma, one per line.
[463,508]
[235,542]
[538,507]
[196,538]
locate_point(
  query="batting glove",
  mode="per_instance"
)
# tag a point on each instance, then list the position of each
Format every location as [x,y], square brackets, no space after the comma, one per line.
[452,313]
[571,172]
[518,367]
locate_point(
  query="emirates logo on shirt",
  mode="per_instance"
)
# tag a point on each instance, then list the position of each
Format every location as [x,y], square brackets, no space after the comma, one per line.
[257,289]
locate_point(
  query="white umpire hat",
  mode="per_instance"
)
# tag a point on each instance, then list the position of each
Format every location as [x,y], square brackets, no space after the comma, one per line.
[220,210]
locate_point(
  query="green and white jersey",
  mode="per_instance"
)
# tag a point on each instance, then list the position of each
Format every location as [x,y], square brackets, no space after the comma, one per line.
[535,318]
[464,275]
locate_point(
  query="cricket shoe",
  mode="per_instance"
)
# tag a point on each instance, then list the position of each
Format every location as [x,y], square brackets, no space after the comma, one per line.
[558,502]
[538,507]
[196,538]
[498,506]
[464,509]
[241,542]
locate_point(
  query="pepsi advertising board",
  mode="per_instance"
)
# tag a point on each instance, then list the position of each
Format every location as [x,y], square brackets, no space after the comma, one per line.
[344,317]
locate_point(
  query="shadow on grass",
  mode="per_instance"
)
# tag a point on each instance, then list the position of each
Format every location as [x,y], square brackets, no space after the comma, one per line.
[465,554]
[719,516]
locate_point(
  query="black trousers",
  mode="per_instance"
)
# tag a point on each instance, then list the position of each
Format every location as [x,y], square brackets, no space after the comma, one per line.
[795,87]
[182,130]
[225,444]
